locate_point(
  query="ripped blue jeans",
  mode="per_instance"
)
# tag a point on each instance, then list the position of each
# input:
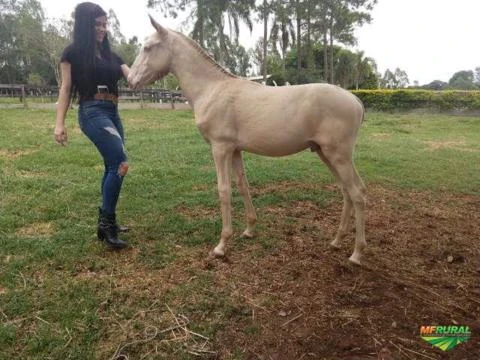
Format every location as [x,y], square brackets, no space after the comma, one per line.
[100,122]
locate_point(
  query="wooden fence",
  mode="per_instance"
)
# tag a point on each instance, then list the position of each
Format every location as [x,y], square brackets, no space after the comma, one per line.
[50,94]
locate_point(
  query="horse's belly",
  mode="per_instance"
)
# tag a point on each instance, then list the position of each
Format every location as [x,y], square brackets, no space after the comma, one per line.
[271,146]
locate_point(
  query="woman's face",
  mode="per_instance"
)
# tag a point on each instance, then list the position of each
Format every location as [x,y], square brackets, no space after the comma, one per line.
[100,28]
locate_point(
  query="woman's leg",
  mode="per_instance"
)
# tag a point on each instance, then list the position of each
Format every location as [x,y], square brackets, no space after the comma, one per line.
[116,166]
[99,121]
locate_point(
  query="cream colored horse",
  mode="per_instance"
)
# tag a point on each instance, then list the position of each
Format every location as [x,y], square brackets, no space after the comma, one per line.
[235,115]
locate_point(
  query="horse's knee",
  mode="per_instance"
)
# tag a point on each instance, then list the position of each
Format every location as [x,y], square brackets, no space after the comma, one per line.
[358,199]
[360,203]
[224,192]
[123,169]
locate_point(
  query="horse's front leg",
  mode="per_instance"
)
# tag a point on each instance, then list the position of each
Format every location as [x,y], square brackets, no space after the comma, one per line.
[222,155]
[242,185]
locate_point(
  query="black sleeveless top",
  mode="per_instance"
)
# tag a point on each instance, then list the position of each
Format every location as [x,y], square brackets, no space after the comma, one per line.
[106,72]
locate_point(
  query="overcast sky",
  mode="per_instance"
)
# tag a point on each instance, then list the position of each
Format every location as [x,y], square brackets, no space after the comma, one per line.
[429,39]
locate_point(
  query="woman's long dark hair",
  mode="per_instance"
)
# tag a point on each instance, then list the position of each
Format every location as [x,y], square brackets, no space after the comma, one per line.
[85,47]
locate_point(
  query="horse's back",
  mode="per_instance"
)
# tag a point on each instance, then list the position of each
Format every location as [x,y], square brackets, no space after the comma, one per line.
[309,100]
[301,106]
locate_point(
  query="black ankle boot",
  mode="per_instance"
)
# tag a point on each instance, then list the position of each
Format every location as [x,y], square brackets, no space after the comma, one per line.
[122,228]
[107,230]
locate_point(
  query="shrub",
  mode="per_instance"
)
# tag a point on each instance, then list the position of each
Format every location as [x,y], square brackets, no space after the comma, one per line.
[402,100]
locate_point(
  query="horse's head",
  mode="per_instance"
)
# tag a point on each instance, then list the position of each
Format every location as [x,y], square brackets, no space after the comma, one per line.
[153,61]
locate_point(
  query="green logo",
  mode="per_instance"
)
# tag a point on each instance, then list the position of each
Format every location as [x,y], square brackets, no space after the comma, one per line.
[445,337]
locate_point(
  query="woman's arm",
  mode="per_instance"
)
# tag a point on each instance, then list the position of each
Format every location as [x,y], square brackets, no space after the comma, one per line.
[63,103]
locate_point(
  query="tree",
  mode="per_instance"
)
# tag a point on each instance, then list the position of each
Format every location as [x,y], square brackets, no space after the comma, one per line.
[371,81]
[282,32]
[394,80]
[127,50]
[462,80]
[257,55]
[436,85]
[231,13]
[115,36]
[364,68]
[388,80]
[210,17]
[402,78]
[477,76]
[347,61]
[264,11]
[31,46]
[352,70]
[299,12]
[336,21]
[56,36]
[21,40]
[238,60]
[8,43]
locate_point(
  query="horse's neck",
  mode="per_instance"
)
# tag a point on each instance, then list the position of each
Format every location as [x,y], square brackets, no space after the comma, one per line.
[195,72]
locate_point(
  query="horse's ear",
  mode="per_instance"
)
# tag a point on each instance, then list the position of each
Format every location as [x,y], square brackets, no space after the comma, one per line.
[160,29]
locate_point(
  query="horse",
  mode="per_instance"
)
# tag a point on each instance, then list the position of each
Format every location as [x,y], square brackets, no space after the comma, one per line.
[234,115]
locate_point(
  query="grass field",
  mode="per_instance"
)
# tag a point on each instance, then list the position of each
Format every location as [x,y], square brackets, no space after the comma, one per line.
[63,296]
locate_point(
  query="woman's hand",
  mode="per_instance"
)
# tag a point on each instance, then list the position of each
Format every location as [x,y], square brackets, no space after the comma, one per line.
[61,135]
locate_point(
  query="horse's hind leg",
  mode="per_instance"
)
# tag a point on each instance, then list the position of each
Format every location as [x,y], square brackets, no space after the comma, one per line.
[342,164]
[347,210]
[242,184]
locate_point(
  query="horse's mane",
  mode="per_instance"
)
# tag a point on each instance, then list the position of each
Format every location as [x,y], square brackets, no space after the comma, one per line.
[205,55]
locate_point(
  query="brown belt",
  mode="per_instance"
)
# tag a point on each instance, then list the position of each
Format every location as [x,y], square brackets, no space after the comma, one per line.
[106,96]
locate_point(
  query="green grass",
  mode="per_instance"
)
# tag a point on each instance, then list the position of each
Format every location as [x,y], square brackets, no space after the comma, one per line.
[431,152]
[58,287]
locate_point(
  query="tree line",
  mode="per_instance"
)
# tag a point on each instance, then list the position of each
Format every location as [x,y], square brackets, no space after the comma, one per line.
[304,41]
[31,45]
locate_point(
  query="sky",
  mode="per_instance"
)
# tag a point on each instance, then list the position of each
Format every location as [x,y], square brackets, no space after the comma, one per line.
[428,39]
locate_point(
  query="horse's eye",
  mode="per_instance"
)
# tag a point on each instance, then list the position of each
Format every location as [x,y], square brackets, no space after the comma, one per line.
[147,48]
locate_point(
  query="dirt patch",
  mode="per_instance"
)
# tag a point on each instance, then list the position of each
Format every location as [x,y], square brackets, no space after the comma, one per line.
[422,268]
[300,299]
[284,186]
[196,212]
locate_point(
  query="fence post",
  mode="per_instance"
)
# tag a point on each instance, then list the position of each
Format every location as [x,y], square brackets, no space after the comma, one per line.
[24,97]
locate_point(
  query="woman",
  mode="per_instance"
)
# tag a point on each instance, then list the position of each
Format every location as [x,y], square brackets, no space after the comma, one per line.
[90,73]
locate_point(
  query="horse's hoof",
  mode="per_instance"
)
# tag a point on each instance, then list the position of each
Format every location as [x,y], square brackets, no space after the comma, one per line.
[335,244]
[355,258]
[217,252]
[248,235]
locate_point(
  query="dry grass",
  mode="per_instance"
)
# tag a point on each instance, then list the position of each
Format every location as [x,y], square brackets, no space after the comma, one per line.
[36,230]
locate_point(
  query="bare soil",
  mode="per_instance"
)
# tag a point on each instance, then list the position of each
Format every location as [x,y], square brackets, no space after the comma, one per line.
[422,267]
[301,299]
